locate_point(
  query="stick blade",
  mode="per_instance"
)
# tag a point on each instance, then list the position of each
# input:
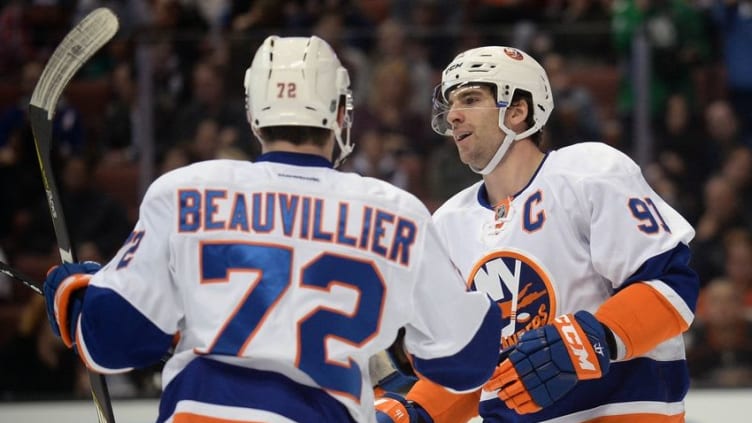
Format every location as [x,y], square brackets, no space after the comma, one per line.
[85,39]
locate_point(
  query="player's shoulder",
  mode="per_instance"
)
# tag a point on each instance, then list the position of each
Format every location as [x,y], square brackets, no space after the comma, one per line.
[380,191]
[194,174]
[459,202]
[590,159]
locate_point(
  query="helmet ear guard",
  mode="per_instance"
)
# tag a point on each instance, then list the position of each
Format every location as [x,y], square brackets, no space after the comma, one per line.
[507,70]
[299,81]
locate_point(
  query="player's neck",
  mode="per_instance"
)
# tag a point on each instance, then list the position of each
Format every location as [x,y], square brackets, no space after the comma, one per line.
[288,147]
[514,171]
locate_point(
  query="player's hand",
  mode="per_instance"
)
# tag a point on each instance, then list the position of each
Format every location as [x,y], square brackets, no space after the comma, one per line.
[394,408]
[63,289]
[548,362]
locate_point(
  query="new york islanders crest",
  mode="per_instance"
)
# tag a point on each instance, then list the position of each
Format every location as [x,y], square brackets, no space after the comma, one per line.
[521,288]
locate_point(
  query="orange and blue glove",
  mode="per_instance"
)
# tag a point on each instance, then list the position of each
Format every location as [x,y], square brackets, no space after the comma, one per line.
[547,362]
[394,408]
[63,291]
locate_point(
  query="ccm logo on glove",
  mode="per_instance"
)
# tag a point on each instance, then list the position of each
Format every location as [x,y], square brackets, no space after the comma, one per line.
[581,353]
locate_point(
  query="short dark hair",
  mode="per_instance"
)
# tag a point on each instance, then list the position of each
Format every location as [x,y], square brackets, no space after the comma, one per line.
[530,119]
[297,135]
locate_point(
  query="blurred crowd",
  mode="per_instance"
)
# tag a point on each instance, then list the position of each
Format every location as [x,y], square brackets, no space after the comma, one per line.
[189,57]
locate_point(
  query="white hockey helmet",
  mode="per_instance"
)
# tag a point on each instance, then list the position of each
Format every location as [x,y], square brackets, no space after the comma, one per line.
[299,81]
[507,69]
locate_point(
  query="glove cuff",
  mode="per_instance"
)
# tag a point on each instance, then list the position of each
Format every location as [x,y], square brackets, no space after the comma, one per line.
[401,410]
[68,305]
[585,342]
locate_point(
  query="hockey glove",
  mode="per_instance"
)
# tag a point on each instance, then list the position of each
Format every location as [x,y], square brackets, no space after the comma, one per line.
[63,292]
[394,408]
[548,362]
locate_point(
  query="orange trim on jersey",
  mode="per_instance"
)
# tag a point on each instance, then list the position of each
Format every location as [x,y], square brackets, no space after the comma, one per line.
[67,288]
[184,417]
[639,418]
[444,406]
[641,317]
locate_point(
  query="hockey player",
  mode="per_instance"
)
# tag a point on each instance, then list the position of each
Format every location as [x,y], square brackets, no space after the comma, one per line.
[588,265]
[281,277]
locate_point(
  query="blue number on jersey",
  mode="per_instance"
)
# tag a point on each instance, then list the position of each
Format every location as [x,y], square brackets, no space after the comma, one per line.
[641,210]
[323,272]
[273,263]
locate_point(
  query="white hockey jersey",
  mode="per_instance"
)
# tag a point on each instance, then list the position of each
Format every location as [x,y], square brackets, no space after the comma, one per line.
[585,227]
[282,277]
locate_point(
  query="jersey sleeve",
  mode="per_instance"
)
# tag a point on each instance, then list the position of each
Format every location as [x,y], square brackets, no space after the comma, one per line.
[131,308]
[454,334]
[640,244]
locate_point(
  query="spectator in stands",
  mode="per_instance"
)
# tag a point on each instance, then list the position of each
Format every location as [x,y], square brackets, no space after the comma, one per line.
[15,38]
[209,101]
[677,41]
[330,26]
[446,175]
[175,157]
[258,15]
[429,22]
[91,217]
[377,155]
[494,12]
[386,111]
[20,180]
[34,363]
[720,213]
[386,106]
[206,143]
[170,89]
[719,343]
[582,14]
[576,117]
[722,132]
[682,151]
[393,45]
[738,170]
[67,128]
[733,19]
[738,265]
[117,141]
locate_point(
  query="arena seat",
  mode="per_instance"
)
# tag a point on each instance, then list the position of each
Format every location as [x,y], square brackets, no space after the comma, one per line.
[9,94]
[602,81]
[90,97]
[121,182]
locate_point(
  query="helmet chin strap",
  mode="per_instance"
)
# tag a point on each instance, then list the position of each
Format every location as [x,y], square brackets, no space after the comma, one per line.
[509,138]
[344,149]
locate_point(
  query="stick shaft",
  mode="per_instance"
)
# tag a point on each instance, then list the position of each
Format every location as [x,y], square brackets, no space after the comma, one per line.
[78,46]
[15,274]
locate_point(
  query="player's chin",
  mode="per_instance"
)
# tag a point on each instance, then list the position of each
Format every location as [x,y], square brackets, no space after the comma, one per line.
[467,157]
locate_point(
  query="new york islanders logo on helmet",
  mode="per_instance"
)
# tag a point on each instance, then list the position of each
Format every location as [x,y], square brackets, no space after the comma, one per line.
[513,53]
[521,288]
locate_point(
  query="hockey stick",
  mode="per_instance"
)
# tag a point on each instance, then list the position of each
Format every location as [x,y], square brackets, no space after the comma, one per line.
[15,274]
[80,44]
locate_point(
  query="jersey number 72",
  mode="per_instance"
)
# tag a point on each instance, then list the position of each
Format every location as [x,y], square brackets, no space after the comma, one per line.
[273,265]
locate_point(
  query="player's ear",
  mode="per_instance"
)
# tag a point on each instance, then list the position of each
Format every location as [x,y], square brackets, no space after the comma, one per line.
[517,112]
